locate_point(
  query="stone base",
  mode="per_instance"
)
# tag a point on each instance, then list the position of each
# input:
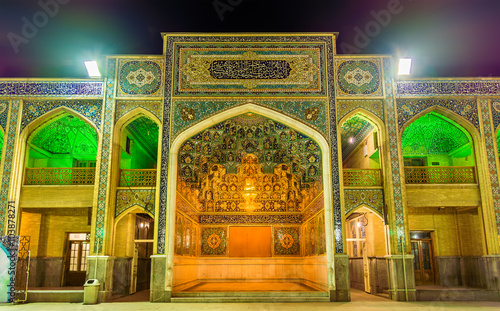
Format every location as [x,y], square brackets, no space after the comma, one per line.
[104,274]
[457,295]
[401,278]
[340,295]
[158,291]
[342,290]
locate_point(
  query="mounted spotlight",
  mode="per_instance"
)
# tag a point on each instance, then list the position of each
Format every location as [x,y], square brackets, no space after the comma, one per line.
[92,69]
[404,66]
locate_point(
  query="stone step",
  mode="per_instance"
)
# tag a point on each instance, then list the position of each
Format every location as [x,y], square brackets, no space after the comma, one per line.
[458,295]
[250,294]
[247,299]
[55,296]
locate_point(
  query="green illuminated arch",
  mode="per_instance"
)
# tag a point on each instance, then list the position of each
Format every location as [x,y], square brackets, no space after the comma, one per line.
[139,144]
[65,141]
[437,139]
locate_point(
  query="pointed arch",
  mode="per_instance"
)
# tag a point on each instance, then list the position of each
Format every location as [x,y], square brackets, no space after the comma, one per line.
[464,124]
[271,114]
[362,205]
[132,115]
[54,114]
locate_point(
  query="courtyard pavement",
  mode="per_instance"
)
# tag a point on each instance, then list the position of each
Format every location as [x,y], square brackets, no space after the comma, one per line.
[360,302]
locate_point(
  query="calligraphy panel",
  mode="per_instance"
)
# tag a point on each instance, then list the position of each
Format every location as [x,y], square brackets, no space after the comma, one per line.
[232,69]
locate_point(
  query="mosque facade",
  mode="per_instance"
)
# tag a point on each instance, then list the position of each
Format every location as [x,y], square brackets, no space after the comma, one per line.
[250,166]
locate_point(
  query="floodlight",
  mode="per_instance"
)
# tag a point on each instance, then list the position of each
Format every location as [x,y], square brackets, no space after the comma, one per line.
[404,66]
[92,69]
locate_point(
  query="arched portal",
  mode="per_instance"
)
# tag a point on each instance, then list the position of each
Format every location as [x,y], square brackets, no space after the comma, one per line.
[134,173]
[366,233]
[250,203]
[56,196]
[446,231]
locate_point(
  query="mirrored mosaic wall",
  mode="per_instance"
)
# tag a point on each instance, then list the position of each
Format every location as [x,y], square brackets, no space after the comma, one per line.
[286,171]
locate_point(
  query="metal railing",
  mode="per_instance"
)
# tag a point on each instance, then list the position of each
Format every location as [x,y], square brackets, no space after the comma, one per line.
[138,178]
[60,176]
[362,177]
[440,175]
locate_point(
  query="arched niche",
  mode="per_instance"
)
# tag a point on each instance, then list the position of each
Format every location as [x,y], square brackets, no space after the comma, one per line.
[174,171]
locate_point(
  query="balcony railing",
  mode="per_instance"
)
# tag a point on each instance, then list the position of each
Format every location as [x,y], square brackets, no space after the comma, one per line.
[440,175]
[138,178]
[362,177]
[60,176]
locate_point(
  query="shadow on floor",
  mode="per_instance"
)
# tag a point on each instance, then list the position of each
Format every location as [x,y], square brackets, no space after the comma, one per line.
[359,295]
[143,295]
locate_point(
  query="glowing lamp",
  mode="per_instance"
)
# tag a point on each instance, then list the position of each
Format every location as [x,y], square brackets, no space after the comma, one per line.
[249,194]
[92,69]
[404,66]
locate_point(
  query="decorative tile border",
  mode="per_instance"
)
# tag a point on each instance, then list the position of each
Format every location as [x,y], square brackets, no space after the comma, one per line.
[374,106]
[492,164]
[495,113]
[126,199]
[194,58]
[52,88]
[392,121]
[407,108]
[105,151]
[9,141]
[188,112]
[371,198]
[124,107]
[447,88]
[246,219]
[91,109]
[4,113]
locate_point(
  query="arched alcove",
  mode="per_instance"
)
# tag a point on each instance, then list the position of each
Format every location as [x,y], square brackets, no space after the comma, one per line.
[57,159]
[441,157]
[212,165]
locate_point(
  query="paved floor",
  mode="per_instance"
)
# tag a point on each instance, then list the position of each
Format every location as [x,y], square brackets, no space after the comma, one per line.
[250,287]
[360,301]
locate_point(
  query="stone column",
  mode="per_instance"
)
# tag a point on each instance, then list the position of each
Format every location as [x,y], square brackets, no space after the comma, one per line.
[492,266]
[342,290]
[102,270]
[401,278]
[401,274]
[160,276]
[102,210]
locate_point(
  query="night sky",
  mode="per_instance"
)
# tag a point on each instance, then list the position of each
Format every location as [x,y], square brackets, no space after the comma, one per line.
[446,38]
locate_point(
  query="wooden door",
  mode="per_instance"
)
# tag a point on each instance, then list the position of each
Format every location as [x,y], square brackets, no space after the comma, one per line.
[76,260]
[422,262]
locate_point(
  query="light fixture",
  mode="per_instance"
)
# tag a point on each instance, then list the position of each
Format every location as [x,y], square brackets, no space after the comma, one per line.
[92,69]
[404,66]
[351,140]
[249,194]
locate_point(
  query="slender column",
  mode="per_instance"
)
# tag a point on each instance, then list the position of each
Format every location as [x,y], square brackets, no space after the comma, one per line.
[399,260]
[100,263]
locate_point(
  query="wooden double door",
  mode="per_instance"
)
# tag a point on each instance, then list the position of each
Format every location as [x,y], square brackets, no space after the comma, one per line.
[422,261]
